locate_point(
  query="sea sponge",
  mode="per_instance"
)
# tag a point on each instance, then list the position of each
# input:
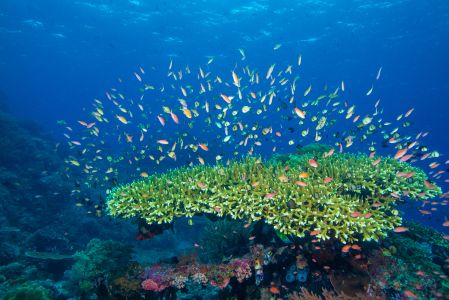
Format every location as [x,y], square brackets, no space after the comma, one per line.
[344,196]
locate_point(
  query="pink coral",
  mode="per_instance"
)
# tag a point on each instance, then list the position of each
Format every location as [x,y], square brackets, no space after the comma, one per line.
[150,285]
[242,269]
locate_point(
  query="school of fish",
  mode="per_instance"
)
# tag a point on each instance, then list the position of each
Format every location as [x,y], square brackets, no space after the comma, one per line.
[186,116]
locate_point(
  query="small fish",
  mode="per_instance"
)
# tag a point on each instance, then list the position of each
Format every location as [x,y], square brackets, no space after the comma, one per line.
[144,174]
[429,185]
[303,175]
[370,91]
[327,179]
[378,73]
[161,120]
[300,113]
[203,147]
[187,113]
[313,163]
[307,91]
[138,76]
[270,70]
[277,46]
[409,112]
[400,229]
[236,79]
[356,247]
[270,195]
[400,153]
[246,109]
[122,119]
[346,248]
[376,162]
[225,98]
[300,183]
[162,142]
[174,117]
[274,290]
[315,232]
[283,178]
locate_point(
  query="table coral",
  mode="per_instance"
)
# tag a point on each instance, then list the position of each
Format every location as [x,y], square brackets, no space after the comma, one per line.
[345,196]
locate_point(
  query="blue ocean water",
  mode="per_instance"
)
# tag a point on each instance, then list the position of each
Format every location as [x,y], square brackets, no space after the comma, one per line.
[57,56]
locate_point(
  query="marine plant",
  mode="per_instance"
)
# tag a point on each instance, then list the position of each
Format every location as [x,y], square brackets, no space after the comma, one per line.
[349,197]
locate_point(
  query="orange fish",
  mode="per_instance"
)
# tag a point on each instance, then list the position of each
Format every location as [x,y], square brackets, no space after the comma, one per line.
[376,162]
[162,142]
[204,147]
[315,232]
[400,229]
[345,248]
[300,113]
[429,185]
[303,175]
[274,290]
[331,151]
[313,163]
[406,157]
[226,98]
[174,117]
[301,183]
[187,113]
[356,247]
[328,179]
[400,153]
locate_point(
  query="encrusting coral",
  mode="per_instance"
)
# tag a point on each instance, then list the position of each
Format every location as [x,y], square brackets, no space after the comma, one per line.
[345,196]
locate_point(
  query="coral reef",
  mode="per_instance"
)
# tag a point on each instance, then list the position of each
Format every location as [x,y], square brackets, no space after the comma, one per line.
[343,196]
[100,261]
[29,291]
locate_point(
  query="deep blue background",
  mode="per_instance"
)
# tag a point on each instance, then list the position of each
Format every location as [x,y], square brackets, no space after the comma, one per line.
[56,56]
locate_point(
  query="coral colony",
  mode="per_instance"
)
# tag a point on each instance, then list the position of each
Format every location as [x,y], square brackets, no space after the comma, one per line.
[341,196]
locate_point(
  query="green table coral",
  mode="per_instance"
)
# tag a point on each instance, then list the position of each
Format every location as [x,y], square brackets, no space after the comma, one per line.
[346,196]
